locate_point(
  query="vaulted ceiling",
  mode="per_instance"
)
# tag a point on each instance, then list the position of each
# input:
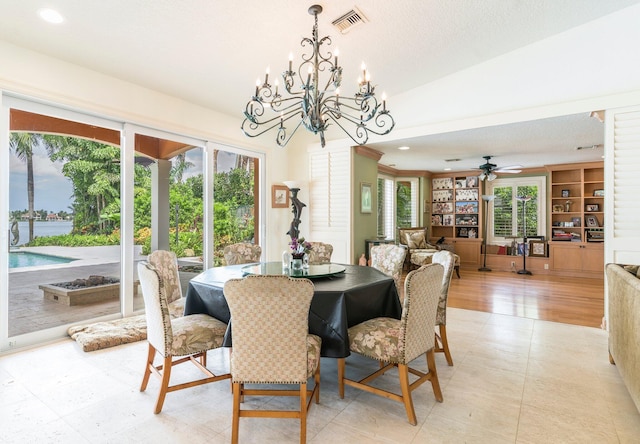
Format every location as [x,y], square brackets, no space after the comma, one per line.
[211,52]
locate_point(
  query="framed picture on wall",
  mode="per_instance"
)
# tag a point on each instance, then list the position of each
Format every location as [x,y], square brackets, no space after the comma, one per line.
[279,196]
[366,197]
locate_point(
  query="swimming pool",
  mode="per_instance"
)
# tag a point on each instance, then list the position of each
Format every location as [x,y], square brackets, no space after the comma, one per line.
[26,259]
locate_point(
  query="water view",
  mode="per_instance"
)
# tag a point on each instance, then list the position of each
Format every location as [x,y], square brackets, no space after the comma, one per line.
[43,228]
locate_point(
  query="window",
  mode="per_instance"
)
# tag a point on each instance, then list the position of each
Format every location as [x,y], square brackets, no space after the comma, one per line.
[505,217]
[386,204]
[397,204]
[406,202]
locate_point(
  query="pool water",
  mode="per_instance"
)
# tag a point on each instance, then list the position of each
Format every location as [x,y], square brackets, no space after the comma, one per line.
[24,259]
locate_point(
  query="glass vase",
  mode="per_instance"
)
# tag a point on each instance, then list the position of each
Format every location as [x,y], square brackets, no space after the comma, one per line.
[286,260]
[296,266]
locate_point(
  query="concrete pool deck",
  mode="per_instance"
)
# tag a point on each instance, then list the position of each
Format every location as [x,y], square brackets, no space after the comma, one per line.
[29,311]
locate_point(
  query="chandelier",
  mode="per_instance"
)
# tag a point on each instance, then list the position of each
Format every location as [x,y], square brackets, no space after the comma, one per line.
[312,104]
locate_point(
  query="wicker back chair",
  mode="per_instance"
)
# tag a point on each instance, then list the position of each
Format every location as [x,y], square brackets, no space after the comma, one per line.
[271,344]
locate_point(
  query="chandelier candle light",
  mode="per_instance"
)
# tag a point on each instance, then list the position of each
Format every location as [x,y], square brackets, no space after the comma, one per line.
[315,105]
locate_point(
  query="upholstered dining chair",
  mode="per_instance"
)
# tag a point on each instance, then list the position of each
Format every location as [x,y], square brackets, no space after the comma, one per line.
[389,259]
[187,338]
[395,343]
[271,344]
[447,260]
[320,253]
[242,253]
[166,263]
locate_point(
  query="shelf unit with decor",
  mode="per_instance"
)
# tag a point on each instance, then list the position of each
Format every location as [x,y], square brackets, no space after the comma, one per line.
[577,217]
[593,193]
[456,213]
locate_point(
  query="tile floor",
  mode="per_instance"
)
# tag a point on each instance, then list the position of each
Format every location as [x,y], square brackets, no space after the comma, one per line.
[514,380]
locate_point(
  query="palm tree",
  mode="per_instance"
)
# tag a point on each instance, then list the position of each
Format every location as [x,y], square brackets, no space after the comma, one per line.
[180,165]
[22,145]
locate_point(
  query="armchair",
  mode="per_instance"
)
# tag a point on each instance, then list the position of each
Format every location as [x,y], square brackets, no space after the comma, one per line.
[415,240]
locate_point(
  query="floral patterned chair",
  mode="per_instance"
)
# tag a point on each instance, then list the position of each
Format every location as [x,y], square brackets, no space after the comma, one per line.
[395,343]
[416,241]
[242,253]
[389,259]
[187,338]
[320,253]
[271,345]
[166,263]
[447,260]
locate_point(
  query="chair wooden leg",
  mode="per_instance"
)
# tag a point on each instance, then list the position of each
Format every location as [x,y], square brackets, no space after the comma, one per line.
[341,377]
[403,373]
[303,413]
[230,380]
[151,354]
[316,380]
[203,358]
[164,384]
[433,375]
[445,343]
[235,423]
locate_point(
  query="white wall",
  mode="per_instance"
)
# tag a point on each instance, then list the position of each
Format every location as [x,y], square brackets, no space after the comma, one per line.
[593,66]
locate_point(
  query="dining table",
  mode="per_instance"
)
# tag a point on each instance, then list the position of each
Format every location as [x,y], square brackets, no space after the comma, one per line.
[344,296]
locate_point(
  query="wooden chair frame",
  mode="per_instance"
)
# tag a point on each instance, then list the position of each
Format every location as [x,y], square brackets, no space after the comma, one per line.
[406,387]
[306,397]
[163,372]
[442,343]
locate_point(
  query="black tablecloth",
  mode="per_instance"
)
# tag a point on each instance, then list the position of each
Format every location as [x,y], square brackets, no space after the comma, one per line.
[339,302]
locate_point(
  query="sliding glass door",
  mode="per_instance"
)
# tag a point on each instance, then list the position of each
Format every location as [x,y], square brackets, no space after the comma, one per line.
[63,216]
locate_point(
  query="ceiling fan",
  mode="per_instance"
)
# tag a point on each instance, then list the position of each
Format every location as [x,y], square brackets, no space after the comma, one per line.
[489,169]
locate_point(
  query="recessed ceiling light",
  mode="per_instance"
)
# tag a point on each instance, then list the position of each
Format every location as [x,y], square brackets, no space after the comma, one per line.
[447,169]
[403,148]
[50,16]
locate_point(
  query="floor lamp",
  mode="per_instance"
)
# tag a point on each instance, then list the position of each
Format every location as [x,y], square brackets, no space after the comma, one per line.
[486,198]
[524,200]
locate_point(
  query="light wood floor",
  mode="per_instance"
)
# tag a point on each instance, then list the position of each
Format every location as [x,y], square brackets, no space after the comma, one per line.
[551,298]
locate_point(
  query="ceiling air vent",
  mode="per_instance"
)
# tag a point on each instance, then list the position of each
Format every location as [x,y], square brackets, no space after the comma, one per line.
[349,20]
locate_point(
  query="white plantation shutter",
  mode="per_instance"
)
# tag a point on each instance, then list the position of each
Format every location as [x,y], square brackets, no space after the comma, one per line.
[414,202]
[329,191]
[622,186]
[386,219]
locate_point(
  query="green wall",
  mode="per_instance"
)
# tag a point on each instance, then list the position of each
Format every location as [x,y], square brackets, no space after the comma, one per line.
[365,225]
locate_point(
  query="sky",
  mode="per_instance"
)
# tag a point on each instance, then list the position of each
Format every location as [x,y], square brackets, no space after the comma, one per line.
[53,191]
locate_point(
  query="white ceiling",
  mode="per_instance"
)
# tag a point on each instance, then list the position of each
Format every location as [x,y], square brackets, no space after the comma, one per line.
[210,52]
